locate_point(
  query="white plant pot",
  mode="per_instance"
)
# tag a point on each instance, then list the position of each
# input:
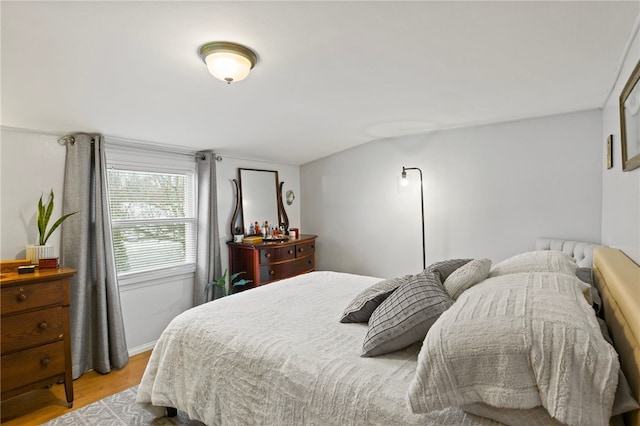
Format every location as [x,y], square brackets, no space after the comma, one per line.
[35,253]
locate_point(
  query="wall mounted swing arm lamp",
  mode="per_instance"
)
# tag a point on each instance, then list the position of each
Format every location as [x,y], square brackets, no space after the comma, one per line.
[405,182]
[228,61]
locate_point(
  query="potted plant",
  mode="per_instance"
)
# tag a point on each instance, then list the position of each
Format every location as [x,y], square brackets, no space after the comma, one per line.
[42,250]
[221,283]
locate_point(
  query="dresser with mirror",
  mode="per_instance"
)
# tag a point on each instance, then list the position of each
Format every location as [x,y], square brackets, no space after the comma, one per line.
[272,255]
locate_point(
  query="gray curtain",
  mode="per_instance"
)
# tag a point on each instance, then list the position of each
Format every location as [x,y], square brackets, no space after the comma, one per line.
[97,330]
[208,264]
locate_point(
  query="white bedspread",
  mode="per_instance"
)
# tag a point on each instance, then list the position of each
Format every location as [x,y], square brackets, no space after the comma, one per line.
[278,355]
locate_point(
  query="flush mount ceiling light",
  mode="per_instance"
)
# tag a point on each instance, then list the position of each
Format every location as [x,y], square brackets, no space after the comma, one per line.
[228,61]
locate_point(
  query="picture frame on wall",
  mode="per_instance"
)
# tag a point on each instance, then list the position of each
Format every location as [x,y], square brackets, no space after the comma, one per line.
[610,151]
[630,121]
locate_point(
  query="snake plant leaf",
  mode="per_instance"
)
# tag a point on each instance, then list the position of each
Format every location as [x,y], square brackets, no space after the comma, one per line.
[41,219]
[44,215]
[55,225]
[49,211]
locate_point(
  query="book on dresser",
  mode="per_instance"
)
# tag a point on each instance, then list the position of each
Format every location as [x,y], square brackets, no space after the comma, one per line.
[35,340]
[270,261]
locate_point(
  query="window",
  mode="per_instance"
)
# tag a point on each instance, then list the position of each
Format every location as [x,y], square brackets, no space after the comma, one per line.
[152,213]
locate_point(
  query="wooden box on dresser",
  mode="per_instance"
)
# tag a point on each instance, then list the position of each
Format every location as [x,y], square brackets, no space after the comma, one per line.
[272,261]
[35,341]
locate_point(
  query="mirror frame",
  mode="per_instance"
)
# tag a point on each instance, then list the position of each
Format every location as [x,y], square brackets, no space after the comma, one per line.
[236,228]
[630,157]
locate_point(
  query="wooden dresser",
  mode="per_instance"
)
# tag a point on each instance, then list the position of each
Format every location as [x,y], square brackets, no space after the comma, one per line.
[35,345]
[272,261]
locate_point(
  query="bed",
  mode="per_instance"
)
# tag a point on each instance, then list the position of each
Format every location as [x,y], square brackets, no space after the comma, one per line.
[277,355]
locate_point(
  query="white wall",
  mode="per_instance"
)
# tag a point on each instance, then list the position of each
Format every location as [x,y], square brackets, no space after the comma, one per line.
[490,191]
[148,307]
[32,163]
[620,190]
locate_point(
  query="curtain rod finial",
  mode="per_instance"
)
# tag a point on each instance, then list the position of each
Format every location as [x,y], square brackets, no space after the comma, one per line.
[66,139]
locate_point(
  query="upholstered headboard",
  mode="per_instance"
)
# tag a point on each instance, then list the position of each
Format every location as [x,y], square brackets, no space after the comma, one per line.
[581,251]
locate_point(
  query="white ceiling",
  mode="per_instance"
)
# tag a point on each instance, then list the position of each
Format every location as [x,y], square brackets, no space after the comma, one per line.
[330,75]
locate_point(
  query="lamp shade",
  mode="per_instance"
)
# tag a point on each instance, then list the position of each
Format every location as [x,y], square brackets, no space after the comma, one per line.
[228,61]
[404,181]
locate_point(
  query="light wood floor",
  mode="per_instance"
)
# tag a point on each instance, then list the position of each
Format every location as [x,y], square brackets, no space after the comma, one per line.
[40,406]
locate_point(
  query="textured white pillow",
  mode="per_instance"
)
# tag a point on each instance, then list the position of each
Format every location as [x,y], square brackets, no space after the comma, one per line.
[536,261]
[519,341]
[537,416]
[466,276]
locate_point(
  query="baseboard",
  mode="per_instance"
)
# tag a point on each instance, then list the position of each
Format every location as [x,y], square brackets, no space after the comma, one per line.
[141,348]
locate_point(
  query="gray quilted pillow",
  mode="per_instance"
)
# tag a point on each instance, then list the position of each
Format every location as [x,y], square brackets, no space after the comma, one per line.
[586,275]
[365,302]
[406,315]
[445,267]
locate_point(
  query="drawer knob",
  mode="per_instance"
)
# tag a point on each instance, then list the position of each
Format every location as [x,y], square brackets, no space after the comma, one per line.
[45,361]
[310,261]
[21,297]
[313,246]
[272,272]
[290,252]
[300,249]
[43,325]
[267,255]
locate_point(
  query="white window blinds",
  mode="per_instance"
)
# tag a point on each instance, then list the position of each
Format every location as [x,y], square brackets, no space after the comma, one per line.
[152,203]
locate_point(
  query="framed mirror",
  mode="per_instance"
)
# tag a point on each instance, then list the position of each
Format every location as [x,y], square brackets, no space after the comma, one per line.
[259,192]
[630,121]
[259,199]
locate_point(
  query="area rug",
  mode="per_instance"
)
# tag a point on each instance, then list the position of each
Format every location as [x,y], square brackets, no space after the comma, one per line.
[120,409]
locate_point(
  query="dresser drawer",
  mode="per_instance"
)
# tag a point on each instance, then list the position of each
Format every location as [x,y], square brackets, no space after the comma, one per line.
[32,365]
[269,262]
[305,249]
[28,296]
[30,329]
[280,271]
[276,254]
